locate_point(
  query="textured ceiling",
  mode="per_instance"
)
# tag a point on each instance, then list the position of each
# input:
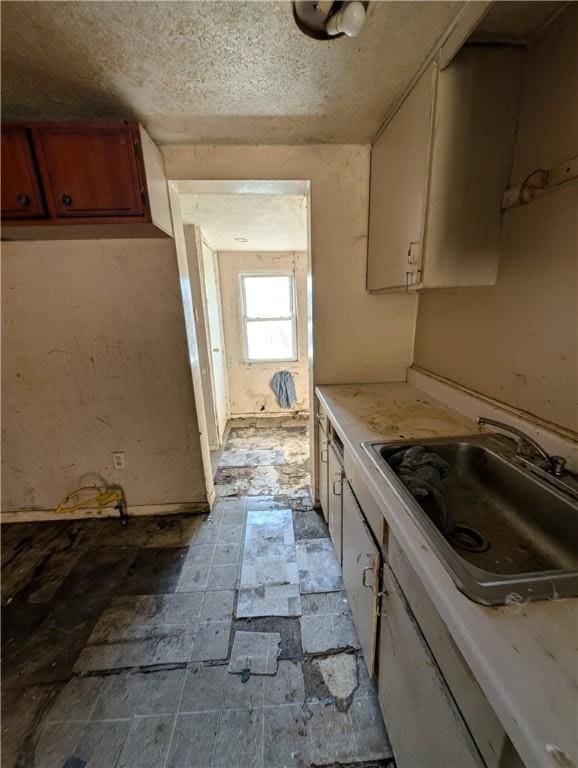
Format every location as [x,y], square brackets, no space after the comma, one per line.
[267,222]
[516,21]
[212,72]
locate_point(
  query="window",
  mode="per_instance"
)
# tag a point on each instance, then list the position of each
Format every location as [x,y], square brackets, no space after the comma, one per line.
[269,320]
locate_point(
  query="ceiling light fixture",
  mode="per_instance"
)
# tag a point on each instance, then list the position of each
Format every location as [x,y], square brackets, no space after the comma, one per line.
[241,239]
[328,19]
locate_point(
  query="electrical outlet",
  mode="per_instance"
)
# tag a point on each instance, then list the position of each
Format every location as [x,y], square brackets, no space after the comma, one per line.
[118,460]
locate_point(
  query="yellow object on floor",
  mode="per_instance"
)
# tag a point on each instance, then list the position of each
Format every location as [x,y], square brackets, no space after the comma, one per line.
[100,497]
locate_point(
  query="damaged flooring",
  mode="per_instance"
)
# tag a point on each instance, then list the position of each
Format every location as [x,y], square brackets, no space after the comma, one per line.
[268,456]
[222,640]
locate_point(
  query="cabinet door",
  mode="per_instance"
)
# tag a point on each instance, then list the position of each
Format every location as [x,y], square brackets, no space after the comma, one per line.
[470,165]
[322,458]
[335,488]
[21,194]
[90,171]
[361,568]
[422,720]
[399,174]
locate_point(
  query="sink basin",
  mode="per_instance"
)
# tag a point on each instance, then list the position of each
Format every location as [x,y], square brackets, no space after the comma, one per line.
[516,536]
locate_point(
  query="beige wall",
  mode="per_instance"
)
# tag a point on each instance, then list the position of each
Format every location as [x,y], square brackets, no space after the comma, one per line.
[249,383]
[94,360]
[357,337]
[517,341]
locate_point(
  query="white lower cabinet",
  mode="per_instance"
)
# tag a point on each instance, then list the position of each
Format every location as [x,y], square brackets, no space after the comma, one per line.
[361,569]
[435,712]
[334,491]
[322,451]
[482,721]
[425,726]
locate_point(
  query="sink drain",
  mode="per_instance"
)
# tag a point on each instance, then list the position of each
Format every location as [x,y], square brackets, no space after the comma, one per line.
[468,539]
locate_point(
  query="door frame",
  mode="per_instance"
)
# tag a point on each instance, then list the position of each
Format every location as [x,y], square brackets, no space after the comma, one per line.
[201,243]
[192,334]
[193,244]
[245,186]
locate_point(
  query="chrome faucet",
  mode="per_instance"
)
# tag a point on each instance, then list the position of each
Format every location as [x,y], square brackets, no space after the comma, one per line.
[555,465]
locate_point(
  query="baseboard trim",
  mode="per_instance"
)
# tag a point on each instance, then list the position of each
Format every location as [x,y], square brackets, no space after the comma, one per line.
[142,510]
[287,414]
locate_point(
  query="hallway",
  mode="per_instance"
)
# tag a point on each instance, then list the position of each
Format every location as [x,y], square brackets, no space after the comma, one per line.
[218,640]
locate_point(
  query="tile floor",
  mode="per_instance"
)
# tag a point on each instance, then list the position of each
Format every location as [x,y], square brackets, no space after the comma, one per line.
[268,456]
[222,640]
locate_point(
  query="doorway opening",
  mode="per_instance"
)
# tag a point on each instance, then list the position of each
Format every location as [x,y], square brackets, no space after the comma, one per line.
[245,267]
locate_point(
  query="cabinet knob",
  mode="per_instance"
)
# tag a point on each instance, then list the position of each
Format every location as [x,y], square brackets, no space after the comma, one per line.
[23,200]
[65,199]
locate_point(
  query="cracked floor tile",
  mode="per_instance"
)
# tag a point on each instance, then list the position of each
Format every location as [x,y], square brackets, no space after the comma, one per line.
[255,652]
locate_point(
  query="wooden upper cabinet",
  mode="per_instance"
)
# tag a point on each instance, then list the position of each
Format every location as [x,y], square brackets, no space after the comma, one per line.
[91,170]
[21,193]
[76,181]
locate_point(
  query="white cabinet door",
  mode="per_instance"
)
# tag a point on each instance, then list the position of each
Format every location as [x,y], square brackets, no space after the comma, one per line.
[399,173]
[322,451]
[483,723]
[361,568]
[335,487]
[476,115]
[438,172]
[424,725]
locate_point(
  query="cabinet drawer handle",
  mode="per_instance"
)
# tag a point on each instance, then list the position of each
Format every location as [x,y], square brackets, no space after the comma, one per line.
[323,455]
[66,199]
[23,200]
[364,576]
[337,484]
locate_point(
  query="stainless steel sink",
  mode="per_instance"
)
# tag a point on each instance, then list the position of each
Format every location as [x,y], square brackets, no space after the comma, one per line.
[516,537]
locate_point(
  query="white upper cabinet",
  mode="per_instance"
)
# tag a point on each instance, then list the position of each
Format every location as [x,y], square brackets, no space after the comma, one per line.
[399,172]
[438,172]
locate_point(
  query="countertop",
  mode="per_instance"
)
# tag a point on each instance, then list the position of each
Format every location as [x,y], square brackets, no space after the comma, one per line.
[524,657]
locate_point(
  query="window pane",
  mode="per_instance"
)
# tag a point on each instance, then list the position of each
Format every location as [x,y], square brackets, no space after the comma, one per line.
[268,296]
[270,340]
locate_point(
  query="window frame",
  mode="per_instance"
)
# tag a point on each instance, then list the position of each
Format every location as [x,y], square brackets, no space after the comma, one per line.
[245,318]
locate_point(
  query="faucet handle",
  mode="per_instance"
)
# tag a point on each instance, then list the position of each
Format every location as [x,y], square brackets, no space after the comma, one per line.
[557,465]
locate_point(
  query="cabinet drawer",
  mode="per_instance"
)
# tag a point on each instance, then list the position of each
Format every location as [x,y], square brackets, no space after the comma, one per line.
[322,473]
[334,499]
[321,416]
[421,717]
[371,511]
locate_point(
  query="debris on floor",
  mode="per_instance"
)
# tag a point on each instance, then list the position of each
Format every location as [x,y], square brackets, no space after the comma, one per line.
[288,628]
[339,672]
[264,457]
[118,643]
